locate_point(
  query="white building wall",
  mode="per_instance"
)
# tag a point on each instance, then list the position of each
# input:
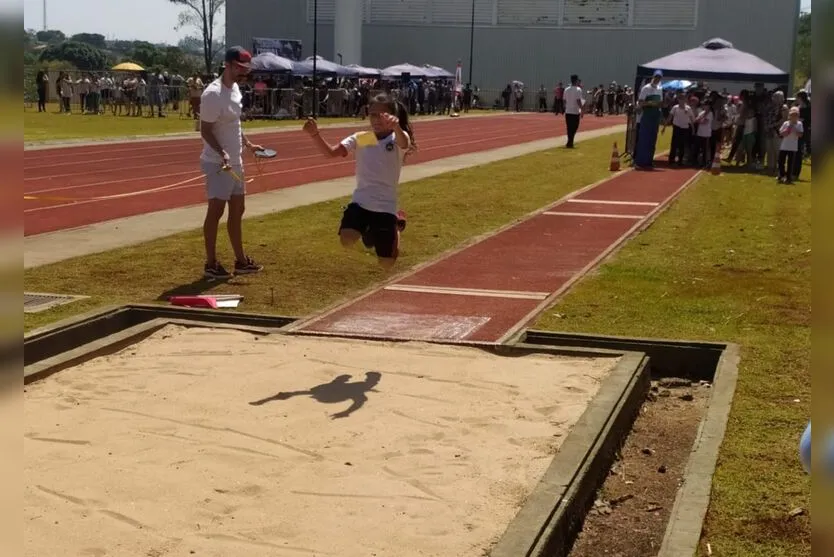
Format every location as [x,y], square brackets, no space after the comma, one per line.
[347,33]
[535,41]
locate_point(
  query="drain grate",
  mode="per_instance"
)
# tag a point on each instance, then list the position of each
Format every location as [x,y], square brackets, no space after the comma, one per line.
[34,302]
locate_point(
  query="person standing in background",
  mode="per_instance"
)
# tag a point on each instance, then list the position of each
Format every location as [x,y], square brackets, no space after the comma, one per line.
[719,117]
[682,118]
[66,93]
[803,102]
[777,113]
[559,99]
[42,83]
[649,101]
[83,85]
[542,99]
[467,97]
[573,109]
[791,132]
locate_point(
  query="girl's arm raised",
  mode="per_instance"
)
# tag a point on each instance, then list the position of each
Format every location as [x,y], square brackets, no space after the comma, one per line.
[402,138]
[338,150]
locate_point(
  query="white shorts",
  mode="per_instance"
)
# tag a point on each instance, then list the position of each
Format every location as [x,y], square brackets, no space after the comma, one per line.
[223,184]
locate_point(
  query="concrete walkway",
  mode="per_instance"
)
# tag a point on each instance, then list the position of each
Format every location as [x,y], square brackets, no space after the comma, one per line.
[52,247]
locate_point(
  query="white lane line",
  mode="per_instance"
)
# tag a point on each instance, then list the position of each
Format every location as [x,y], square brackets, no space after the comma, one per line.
[600,215]
[511,294]
[608,202]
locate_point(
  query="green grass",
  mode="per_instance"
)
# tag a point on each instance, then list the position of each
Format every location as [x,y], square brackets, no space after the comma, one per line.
[730,261]
[306,269]
[50,126]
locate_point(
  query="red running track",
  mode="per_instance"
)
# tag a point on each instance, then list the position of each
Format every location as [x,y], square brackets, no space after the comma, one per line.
[488,291]
[158,175]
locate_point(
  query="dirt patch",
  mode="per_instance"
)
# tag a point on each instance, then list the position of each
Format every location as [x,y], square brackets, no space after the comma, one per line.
[632,508]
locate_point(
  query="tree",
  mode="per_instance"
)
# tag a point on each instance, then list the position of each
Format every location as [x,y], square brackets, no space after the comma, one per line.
[175,60]
[121,47]
[202,15]
[146,54]
[30,38]
[92,39]
[51,36]
[82,56]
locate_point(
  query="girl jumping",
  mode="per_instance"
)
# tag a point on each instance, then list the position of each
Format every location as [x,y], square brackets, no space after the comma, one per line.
[372,214]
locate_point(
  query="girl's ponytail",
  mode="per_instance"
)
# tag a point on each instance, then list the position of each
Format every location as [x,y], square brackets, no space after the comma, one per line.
[405,124]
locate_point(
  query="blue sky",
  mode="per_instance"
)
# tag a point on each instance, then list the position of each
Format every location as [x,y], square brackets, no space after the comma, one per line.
[149,20]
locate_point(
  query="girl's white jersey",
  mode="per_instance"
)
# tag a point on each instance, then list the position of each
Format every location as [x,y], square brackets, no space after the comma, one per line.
[377,172]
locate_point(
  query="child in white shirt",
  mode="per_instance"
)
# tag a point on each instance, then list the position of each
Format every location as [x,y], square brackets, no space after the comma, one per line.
[372,215]
[790,132]
[703,134]
[681,117]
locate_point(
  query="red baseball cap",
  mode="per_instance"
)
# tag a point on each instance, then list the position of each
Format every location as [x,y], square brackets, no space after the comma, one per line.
[238,55]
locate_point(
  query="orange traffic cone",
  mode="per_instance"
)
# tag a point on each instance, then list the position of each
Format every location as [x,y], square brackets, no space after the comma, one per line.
[715,170]
[615,160]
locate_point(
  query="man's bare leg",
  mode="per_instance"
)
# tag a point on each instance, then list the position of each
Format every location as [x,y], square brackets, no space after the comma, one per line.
[214,212]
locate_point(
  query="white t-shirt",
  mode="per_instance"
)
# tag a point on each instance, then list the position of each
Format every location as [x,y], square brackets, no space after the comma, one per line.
[377,173]
[705,125]
[573,96]
[750,125]
[790,142]
[222,106]
[681,116]
[650,90]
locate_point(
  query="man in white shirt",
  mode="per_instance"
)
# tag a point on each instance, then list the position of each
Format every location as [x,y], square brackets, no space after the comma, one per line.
[649,103]
[222,163]
[573,108]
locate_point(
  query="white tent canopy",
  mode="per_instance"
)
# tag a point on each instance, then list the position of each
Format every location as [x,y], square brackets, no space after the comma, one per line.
[404,69]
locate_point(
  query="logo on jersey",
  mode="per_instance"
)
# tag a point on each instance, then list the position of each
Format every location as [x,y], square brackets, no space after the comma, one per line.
[389,146]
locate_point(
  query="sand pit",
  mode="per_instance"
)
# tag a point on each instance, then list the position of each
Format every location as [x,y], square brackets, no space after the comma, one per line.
[221,443]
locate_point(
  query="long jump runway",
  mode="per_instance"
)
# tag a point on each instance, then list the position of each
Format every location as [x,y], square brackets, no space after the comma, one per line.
[68,187]
[489,290]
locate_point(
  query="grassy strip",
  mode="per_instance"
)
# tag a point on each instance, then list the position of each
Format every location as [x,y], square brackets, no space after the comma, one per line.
[730,261]
[306,269]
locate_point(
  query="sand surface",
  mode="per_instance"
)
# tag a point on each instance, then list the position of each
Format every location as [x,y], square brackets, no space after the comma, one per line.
[182,445]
